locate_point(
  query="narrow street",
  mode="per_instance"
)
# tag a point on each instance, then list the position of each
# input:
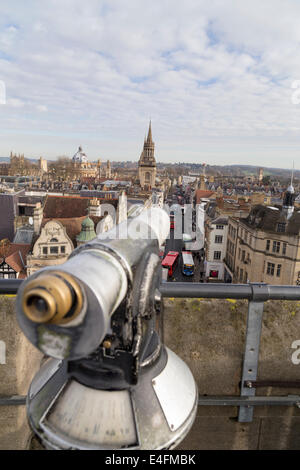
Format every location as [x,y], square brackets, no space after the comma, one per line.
[173,244]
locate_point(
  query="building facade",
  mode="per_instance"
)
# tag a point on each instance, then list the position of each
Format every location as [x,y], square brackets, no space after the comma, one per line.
[81,167]
[215,248]
[52,247]
[9,211]
[265,246]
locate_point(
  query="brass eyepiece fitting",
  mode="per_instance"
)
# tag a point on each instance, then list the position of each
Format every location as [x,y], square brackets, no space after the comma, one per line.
[53,297]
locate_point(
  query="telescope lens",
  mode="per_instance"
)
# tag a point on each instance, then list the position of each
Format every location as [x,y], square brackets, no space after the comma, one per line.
[39,304]
[53,297]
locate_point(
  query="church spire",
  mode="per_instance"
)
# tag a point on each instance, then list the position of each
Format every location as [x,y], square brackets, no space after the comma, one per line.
[289,197]
[149,138]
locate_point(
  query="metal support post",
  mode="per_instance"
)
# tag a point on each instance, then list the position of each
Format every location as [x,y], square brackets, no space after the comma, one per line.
[288,400]
[250,364]
[13,400]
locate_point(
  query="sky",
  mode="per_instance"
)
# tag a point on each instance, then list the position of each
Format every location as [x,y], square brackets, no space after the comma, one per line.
[220,80]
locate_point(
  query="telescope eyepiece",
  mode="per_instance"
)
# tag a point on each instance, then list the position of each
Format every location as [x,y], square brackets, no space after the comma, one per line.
[39,306]
[52,298]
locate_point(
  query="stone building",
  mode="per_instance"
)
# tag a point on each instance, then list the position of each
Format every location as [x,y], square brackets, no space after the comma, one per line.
[81,167]
[108,170]
[4,168]
[20,166]
[202,186]
[43,165]
[147,163]
[53,246]
[215,248]
[265,246]
[9,210]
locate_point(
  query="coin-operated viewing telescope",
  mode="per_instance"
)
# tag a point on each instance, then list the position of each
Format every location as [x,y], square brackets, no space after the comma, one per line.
[109,382]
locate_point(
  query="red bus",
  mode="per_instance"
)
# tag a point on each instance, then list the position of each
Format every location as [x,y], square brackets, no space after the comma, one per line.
[170,261]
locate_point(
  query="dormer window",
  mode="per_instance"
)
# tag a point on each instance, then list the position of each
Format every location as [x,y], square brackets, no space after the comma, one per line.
[281,227]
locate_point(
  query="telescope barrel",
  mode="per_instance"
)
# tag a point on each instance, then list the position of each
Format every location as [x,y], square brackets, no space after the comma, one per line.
[65,310]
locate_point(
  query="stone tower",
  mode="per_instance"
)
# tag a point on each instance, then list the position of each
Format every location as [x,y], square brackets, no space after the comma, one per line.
[99,168]
[202,183]
[108,170]
[43,165]
[94,207]
[147,163]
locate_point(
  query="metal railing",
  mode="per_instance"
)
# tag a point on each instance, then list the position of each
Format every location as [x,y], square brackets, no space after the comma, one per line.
[256,294]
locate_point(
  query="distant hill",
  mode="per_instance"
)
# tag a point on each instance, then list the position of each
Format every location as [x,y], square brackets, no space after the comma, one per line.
[7,160]
[251,169]
[233,170]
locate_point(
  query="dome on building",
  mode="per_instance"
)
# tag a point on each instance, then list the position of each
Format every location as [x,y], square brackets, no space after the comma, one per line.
[87,232]
[79,156]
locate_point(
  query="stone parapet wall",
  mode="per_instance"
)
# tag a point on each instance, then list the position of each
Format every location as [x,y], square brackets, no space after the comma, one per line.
[18,364]
[209,336]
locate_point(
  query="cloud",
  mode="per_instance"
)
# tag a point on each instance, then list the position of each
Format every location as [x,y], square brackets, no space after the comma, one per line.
[15,103]
[42,108]
[215,77]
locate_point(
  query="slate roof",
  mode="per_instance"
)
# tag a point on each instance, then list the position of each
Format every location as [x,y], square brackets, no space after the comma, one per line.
[24,235]
[70,206]
[31,199]
[220,221]
[267,219]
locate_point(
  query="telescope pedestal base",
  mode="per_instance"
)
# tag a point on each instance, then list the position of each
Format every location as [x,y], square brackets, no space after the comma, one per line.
[155,414]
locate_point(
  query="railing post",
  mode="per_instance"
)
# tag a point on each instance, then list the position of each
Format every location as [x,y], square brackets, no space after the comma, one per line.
[250,364]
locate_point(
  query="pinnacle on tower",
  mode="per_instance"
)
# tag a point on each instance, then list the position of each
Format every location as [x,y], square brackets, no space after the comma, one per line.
[289,197]
[149,138]
[291,187]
